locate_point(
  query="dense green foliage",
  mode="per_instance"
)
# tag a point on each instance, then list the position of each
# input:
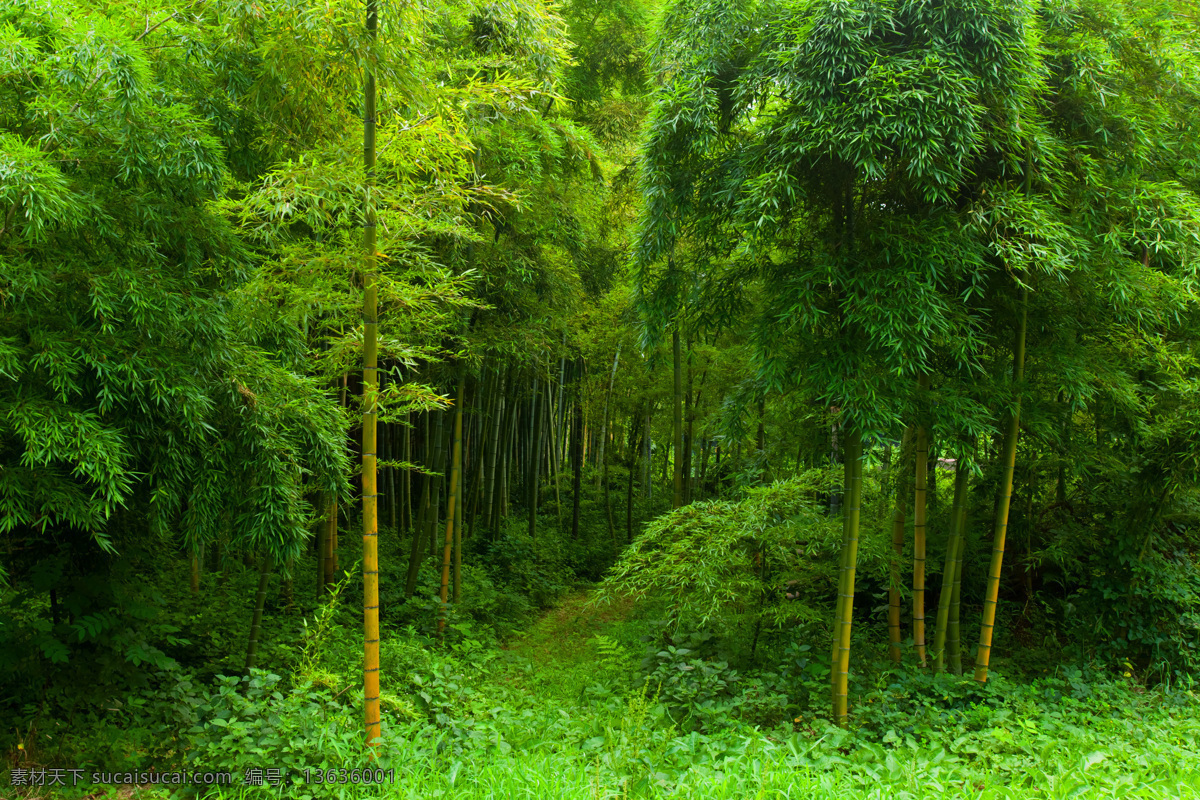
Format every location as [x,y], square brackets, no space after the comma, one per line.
[726,300]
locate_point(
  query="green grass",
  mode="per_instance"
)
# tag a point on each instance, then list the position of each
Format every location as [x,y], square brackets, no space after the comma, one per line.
[556,713]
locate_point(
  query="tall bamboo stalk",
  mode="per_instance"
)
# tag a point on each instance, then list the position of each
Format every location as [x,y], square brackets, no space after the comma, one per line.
[435,485]
[451,501]
[260,600]
[648,475]
[689,414]
[330,540]
[604,424]
[677,411]
[634,424]
[953,559]
[845,616]
[458,537]
[577,452]
[898,522]
[552,461]
[370,412]
[953,629]
[991,595]
[922,474]
[406,519]
[322,532]
[537,413]
[490,489]
[418,527]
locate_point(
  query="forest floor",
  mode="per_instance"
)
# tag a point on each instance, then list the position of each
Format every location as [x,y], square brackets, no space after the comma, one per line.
[559,711]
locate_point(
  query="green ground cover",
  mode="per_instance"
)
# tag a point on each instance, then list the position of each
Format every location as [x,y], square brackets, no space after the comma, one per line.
[570,709]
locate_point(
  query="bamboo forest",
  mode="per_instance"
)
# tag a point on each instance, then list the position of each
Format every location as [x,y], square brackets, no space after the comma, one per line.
[599,399]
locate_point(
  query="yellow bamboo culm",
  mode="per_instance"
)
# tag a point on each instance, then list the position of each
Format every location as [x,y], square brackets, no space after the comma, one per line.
[983,657]
[370,410]
[845,615]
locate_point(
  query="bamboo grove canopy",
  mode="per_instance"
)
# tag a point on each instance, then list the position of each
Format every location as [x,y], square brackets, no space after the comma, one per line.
[903,185]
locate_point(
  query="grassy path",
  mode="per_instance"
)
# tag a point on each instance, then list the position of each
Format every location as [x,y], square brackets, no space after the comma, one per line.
[561,648]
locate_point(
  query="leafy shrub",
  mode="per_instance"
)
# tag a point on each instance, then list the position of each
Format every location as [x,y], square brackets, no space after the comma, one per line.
[248,722]
[772,554]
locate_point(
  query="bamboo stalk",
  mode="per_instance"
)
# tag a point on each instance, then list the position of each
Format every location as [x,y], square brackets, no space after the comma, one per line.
[260,600]
[451,502]
[922,473]
[991,594]
[898,523]
[852,512]
[953,555]
[370,414]
[677,411]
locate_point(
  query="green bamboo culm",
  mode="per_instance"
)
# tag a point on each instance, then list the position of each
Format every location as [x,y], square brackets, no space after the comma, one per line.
[260,600]
[898,522]
[677,412]
[953,630]
[919,524]
[845,615]
[370,405]
[953,559]
[1009,460]
[452,500]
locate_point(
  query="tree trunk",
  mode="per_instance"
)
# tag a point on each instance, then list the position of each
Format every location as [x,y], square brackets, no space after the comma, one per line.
[991,595]
[845,614]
